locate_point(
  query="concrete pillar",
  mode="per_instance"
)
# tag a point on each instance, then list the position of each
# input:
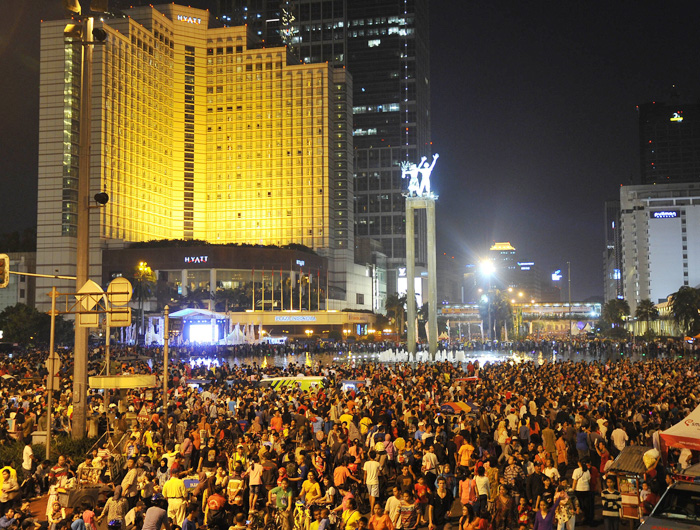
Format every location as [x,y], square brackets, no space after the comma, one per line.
[183,279]
[410,275]
[212,288]
[432,277]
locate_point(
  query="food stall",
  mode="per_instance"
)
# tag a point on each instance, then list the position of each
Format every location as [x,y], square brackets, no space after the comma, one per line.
[629,470]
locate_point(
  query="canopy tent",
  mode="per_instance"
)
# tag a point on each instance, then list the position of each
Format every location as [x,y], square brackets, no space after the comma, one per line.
[190,312]
[685,433]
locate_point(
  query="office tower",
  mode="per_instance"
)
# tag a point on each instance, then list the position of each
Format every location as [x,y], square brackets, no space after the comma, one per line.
[385,47]
[612,256]
[502,254]
[669,142]
[660,240]
[196,135]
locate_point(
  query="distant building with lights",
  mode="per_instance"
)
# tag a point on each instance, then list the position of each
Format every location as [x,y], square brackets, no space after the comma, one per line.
[669,142]
[660,240]
[503,256]
[612,255]
[197,134]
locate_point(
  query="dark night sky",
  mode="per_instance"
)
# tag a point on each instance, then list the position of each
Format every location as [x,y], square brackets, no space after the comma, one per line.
[533,114]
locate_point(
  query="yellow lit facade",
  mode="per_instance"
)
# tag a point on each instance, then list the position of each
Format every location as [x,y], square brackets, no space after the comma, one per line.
[195,135]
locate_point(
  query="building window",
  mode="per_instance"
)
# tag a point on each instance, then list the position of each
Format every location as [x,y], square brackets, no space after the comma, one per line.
[360,298]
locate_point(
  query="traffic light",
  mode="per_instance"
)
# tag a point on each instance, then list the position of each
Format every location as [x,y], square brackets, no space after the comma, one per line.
[4,270]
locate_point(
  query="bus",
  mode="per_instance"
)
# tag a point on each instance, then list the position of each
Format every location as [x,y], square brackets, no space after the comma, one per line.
[301,382]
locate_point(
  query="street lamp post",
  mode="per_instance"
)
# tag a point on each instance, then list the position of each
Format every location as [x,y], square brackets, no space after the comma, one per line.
[80,352]
[568,264]
[87,36]
[487,269]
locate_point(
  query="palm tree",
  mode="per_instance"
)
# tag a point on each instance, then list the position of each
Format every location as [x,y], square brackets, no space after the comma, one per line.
[144,287]
[396,310]
[646,311]
[197,298]
[685,306]
[224,298]
[614,311]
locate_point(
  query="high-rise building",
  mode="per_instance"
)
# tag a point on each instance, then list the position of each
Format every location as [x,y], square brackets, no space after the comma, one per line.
[669,138]
[196,135]
[502,254]
[660,240]
[385,46]
[612,256]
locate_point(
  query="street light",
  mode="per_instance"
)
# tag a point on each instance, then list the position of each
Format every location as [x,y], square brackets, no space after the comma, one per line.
[488,269]
[84,33]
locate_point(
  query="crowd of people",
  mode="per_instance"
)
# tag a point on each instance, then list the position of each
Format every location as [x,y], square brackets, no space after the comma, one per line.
[228,452]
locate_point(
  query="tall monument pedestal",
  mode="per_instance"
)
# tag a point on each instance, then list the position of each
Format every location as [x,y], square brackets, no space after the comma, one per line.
[427,203]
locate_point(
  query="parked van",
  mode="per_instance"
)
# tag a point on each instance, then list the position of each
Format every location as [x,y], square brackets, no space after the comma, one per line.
[679,506]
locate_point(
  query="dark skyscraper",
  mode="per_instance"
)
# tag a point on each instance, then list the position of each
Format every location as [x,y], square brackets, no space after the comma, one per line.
[384,44]
[669,138]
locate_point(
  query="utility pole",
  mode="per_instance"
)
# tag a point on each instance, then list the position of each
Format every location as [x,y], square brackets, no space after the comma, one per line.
[80,353]
[568,274]
[166,336]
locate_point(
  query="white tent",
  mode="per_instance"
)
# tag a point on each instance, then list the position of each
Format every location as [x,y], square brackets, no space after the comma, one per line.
[685,433]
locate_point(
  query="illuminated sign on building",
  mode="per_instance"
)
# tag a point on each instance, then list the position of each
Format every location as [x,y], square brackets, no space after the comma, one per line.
[665,214]
[526,265]
[300,262]
[189,20]
[677,116]
[556,275]
[196,259]
[295,318]
[402,272]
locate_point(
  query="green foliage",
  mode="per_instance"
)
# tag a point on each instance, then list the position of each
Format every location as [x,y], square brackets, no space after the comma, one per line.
[396,310]
[685,307]
[501,311]
[11,454]
[649,335]
[334,334]
[187,243]
[614,312]
[25,325]
[646,310]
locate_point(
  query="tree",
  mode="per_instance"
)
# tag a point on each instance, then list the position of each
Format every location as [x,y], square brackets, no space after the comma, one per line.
[614,312]
[497,302]
[144,282]
[685,307]
[25,325]
[396,310]
[646,311]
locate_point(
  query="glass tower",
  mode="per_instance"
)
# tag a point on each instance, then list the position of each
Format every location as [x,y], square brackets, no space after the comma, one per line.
[384,45]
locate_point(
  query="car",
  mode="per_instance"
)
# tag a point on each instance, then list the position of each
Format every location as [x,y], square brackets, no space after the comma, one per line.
[679,506]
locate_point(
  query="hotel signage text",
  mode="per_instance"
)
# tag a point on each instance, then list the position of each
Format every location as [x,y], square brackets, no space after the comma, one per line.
[665,214]
[189,20]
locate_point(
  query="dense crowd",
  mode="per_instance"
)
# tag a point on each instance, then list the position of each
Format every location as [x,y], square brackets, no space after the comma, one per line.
[227,452]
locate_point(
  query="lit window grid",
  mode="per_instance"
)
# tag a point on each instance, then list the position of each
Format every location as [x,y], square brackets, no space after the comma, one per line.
[136,144]
[268,154]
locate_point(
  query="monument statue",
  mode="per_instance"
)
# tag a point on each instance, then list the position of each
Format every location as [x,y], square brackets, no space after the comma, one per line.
[419,176]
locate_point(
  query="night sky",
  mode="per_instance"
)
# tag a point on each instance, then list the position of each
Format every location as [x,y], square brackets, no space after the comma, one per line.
[533,114]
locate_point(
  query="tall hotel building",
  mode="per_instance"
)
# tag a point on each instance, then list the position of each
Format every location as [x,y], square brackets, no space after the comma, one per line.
[385,46]
[195,135]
